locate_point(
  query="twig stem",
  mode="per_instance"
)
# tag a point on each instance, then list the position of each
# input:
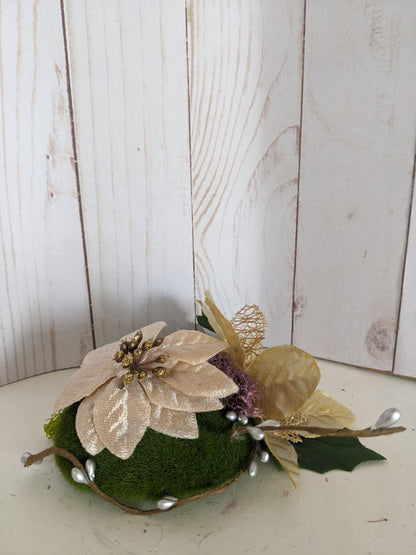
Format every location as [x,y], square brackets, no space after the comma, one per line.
[315,430]
[132,510]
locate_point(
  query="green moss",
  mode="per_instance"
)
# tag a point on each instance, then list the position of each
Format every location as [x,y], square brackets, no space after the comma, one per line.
[160,465]
[50,425]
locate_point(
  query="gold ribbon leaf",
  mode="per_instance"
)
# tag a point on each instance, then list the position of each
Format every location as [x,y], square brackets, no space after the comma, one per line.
[285,453]
[288,376]
[224,329]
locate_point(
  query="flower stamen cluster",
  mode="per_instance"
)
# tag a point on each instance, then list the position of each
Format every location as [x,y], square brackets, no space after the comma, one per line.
[130,356]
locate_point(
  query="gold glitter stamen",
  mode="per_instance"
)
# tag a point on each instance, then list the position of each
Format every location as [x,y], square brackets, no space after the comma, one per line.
[128,378]
[139,336]
[130,354]
[137,353]
[147,345]
[133,344]
[127,360]
[124,347]
[160,371]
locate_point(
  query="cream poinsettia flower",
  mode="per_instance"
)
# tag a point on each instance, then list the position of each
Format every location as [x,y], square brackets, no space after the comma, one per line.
[287,378]
[145,382]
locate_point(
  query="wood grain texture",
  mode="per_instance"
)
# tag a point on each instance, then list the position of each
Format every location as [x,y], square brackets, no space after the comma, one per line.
[358,139]
[405,359]
[129,84]
[44,314]
[245,84]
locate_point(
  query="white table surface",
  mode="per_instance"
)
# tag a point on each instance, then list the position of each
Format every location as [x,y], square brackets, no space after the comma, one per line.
[369,511]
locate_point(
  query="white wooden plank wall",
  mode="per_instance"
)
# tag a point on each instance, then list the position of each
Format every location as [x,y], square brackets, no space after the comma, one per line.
[405,348]
[44,314]
[129,87]
[245,91]
[152,149]
[358,147]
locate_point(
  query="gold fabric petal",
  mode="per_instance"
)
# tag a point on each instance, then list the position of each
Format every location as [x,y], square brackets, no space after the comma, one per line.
[163,395]
[224,329]
[324,411]
[149,332]
[285,453]
[97,368]
[121,417]
[189,346]
[288,376]
[174,423]
[85,428]
[203,380]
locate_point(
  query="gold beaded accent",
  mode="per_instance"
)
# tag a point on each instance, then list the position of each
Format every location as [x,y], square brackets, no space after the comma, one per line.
[127,360]
[160,371]
[162,359]
[137,353]
[128,378]
[139,336]
[133,345]
[142,374]
[118,357]
[124,347]
[147,345]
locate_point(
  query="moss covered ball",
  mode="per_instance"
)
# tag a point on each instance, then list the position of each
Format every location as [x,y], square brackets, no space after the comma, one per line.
[160,465]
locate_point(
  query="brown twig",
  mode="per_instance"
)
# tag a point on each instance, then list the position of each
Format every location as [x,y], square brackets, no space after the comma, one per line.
[132,510]
[315,430]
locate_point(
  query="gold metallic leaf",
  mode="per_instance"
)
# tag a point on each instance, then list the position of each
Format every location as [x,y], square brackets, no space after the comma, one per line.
[224,329]
[287,376]
[325,412]
[285,453]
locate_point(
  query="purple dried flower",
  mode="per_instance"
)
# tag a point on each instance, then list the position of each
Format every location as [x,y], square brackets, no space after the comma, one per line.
[243,401]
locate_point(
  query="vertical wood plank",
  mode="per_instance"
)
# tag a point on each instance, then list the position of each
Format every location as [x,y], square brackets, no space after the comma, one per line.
[129,83]
[358,137]
[44,315]
[405,359]
[245,84]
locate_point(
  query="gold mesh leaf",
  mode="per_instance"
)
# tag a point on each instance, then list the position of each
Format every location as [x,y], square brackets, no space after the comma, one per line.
[250,325]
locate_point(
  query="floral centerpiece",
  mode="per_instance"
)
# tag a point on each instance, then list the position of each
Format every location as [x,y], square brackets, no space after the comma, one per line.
[168,420]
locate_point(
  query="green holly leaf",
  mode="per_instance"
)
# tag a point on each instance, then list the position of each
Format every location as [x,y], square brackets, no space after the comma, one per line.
[322,454]
[204,322]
